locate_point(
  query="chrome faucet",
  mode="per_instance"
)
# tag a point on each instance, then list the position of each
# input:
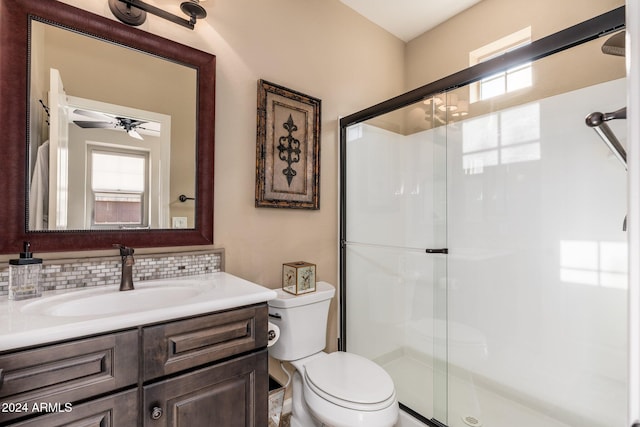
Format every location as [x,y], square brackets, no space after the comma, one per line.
[126,280]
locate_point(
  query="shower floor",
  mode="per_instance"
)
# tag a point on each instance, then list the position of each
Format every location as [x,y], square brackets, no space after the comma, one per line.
[413,379]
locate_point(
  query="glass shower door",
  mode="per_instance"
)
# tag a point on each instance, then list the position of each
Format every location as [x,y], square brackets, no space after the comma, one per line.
[537,251]
[395,254]
[522,321]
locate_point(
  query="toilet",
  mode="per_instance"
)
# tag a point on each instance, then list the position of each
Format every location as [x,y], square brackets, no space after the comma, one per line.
[337,389]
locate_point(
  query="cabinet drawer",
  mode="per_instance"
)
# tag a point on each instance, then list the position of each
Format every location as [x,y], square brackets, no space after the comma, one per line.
[172,347]
[119,410]
[68,372]
[233,393]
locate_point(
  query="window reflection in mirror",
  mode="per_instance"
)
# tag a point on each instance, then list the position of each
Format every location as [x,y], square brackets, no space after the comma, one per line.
[101,96]
[119,193]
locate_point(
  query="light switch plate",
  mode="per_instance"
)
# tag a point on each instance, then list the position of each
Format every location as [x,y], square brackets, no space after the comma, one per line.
[179,221]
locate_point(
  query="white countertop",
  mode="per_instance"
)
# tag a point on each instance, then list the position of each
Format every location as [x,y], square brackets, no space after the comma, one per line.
[28,322]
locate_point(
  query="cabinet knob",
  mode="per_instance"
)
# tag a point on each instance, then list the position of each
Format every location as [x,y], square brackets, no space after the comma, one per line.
[156,413]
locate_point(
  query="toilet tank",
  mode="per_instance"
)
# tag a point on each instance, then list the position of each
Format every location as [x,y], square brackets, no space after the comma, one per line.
[302,320]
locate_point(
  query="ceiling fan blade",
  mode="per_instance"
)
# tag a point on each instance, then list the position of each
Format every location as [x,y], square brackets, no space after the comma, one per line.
[92,124]
[93,114]
[132,133]
[156,131]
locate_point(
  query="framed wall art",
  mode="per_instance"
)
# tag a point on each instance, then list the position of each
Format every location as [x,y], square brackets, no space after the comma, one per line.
[287,148]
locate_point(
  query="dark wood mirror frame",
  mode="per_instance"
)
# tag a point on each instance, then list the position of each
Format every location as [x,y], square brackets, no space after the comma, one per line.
[14,87]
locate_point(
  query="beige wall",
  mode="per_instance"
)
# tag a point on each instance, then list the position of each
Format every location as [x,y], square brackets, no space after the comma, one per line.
[318,47]
[445,49]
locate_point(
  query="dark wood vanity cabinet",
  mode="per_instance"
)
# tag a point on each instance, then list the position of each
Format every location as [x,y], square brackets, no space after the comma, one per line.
[209,370]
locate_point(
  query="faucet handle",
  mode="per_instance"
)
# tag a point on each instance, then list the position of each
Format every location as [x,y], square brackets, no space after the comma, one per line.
[124,250]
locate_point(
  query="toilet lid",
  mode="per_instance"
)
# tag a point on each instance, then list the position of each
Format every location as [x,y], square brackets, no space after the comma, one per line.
[349,378]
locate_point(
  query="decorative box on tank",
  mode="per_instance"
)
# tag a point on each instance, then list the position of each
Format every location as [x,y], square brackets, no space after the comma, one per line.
[299,277]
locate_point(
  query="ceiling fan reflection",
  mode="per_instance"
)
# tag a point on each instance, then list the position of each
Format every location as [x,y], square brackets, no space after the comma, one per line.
[107,121]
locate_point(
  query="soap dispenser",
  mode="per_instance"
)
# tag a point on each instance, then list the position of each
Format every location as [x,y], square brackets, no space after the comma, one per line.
[24,275]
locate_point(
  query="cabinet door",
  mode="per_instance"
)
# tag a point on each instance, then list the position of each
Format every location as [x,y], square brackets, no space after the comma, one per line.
[119,410]
[229,394]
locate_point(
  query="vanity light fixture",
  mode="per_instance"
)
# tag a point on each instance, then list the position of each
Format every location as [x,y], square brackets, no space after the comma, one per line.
[134,12]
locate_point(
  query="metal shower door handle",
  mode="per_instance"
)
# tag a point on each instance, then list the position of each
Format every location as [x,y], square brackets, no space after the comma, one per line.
[437,251]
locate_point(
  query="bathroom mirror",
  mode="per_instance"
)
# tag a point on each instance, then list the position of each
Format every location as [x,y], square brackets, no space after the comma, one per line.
[118,142]
[99,92]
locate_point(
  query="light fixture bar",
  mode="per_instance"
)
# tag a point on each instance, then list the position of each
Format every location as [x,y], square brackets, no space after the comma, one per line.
[189,23]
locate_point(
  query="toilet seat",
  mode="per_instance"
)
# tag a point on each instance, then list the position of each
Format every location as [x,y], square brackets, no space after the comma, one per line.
[350,381]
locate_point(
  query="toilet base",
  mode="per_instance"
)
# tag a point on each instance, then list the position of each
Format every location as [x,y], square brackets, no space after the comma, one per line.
[300,416]
[297,423]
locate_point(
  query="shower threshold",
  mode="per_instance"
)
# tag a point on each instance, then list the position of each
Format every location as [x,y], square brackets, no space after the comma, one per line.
[413,376]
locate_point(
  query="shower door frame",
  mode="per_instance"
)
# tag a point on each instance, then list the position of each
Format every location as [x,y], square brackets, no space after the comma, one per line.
[575,35]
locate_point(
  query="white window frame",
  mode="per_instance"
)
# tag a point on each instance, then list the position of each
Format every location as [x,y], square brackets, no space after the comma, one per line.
[91,193]
[492,50]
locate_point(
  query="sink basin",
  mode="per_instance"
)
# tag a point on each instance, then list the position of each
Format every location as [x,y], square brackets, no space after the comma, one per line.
[108,302]
[69,314]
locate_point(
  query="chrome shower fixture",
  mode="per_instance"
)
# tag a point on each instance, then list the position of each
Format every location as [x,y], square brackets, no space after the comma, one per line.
[134,12]
[598,120]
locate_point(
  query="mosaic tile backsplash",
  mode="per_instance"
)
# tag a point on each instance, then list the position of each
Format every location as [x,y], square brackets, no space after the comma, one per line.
[101,271]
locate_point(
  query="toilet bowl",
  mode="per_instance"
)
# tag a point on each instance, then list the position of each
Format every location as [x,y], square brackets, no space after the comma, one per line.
[337,389]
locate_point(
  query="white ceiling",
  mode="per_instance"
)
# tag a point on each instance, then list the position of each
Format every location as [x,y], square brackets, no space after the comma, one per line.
[407,19]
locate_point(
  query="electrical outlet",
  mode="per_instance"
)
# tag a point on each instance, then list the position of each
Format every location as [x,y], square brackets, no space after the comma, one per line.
[179,221]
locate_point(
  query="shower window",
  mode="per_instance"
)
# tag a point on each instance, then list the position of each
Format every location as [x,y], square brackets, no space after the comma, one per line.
[512,79]
[507,81]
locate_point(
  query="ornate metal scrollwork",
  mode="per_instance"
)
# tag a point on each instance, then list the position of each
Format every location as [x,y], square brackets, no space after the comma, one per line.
[289,148]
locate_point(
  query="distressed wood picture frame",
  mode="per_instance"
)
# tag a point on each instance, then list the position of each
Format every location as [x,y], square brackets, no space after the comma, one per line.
[287,148]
